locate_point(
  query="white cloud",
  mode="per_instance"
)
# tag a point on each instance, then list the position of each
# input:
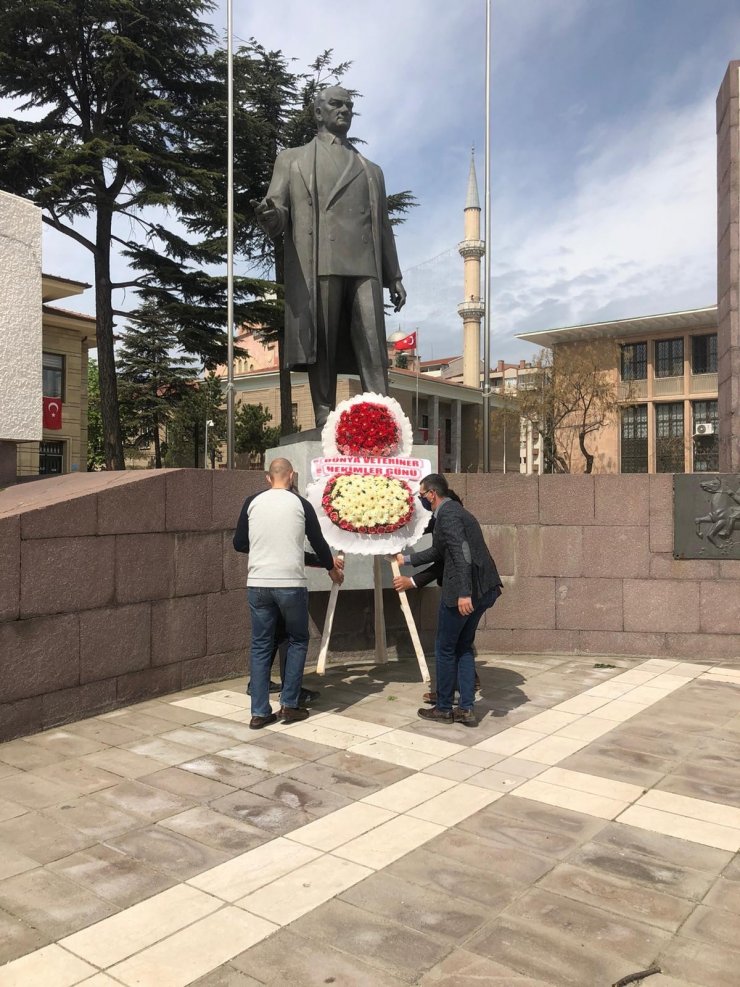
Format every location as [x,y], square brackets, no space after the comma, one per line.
[635,236]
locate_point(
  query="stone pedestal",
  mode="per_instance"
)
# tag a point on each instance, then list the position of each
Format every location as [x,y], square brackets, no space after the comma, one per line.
[728,268]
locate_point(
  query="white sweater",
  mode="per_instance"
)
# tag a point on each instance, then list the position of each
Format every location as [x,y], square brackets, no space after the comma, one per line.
[272,528]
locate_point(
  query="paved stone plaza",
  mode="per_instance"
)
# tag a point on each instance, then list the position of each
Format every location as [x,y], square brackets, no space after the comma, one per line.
[586,830]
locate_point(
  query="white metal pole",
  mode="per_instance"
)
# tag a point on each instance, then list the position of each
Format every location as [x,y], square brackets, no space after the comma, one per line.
[418,372]
[487,264]
[230,233]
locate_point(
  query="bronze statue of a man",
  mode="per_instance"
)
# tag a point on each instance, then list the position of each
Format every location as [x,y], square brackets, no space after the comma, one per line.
[340,253]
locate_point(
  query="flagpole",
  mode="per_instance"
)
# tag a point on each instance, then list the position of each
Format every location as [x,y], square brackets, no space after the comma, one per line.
[418,372]
[487,265]
[230,233]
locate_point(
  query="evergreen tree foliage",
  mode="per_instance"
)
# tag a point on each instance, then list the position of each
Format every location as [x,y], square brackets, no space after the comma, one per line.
[252,433]
[152,378]
[95,454]
[202,402]
[110,83]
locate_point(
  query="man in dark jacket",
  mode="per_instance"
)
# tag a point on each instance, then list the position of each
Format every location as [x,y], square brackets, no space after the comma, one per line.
[470,586]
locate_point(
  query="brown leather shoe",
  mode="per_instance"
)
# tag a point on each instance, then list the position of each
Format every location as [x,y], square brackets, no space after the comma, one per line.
[289,714]
[435,714]
[257,722]
[464,716]
[430,698]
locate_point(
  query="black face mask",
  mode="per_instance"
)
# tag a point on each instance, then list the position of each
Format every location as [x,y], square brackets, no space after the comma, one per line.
[425,503]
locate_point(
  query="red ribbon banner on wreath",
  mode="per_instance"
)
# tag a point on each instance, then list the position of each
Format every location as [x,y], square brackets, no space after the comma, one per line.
[52,413]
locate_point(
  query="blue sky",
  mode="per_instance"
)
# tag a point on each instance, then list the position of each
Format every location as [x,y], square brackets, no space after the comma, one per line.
[603,156]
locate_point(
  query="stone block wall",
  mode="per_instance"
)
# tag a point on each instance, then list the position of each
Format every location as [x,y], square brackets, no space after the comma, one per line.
[588,567]
[116,587]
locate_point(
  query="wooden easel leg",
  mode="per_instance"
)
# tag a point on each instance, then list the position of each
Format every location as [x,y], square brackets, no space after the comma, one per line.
[326,634]
[411,624]
[381,649]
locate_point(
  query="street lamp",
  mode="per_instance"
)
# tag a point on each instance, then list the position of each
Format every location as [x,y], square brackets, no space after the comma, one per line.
[209,423]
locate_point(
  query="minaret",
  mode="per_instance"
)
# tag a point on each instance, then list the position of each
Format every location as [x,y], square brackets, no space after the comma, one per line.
[471,250]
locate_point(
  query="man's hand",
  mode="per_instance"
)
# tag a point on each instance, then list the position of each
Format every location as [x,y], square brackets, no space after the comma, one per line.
[399,559]
[402,583]
[465,605]
[336,576]
[339,562]
[398,294]
[266,215]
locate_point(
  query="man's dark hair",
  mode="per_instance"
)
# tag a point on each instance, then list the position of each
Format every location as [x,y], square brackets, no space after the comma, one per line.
[437,483]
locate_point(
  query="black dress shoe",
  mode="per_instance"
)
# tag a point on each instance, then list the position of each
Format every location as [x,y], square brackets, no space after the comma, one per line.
[435,714]
[289,714]
[257,722]
[308,696]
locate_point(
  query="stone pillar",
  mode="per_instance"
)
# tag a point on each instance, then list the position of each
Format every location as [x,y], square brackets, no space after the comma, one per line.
[457,436]
[728,268]
[434,422]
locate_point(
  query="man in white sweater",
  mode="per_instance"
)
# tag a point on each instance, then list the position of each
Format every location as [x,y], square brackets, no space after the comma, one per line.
[272,529]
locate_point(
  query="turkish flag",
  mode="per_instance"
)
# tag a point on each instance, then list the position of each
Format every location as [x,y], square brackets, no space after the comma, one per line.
[52,413]
[407,343]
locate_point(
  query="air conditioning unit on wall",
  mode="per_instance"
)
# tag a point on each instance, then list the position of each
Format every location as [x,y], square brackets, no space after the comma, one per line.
[706,428]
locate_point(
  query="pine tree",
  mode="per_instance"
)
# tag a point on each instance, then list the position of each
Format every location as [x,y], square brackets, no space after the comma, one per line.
[252,433]
[152,379]
[115,82]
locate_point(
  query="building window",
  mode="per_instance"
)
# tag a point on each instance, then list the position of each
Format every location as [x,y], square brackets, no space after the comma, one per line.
[635,439]
[51,457]
[706,446]
[294,413]
[634,361]
[448,435]
[53,375]
[669,440]
[669,358]
[425,421]
[704,354]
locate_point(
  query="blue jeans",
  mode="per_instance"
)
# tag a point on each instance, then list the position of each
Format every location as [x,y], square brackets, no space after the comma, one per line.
[454,652]
[267,604]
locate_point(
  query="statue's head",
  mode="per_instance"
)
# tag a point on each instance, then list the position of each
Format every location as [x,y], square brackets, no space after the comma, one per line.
[333,109]
[713,485]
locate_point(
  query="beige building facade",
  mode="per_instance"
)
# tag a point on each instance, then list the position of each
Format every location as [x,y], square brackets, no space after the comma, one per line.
[441,413]
[66,338]
[664,372]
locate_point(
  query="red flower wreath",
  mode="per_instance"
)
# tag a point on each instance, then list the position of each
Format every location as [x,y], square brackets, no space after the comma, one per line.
[367,429]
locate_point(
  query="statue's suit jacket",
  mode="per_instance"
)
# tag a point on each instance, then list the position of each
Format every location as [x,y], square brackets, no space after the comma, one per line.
[303,220]
[458,542]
